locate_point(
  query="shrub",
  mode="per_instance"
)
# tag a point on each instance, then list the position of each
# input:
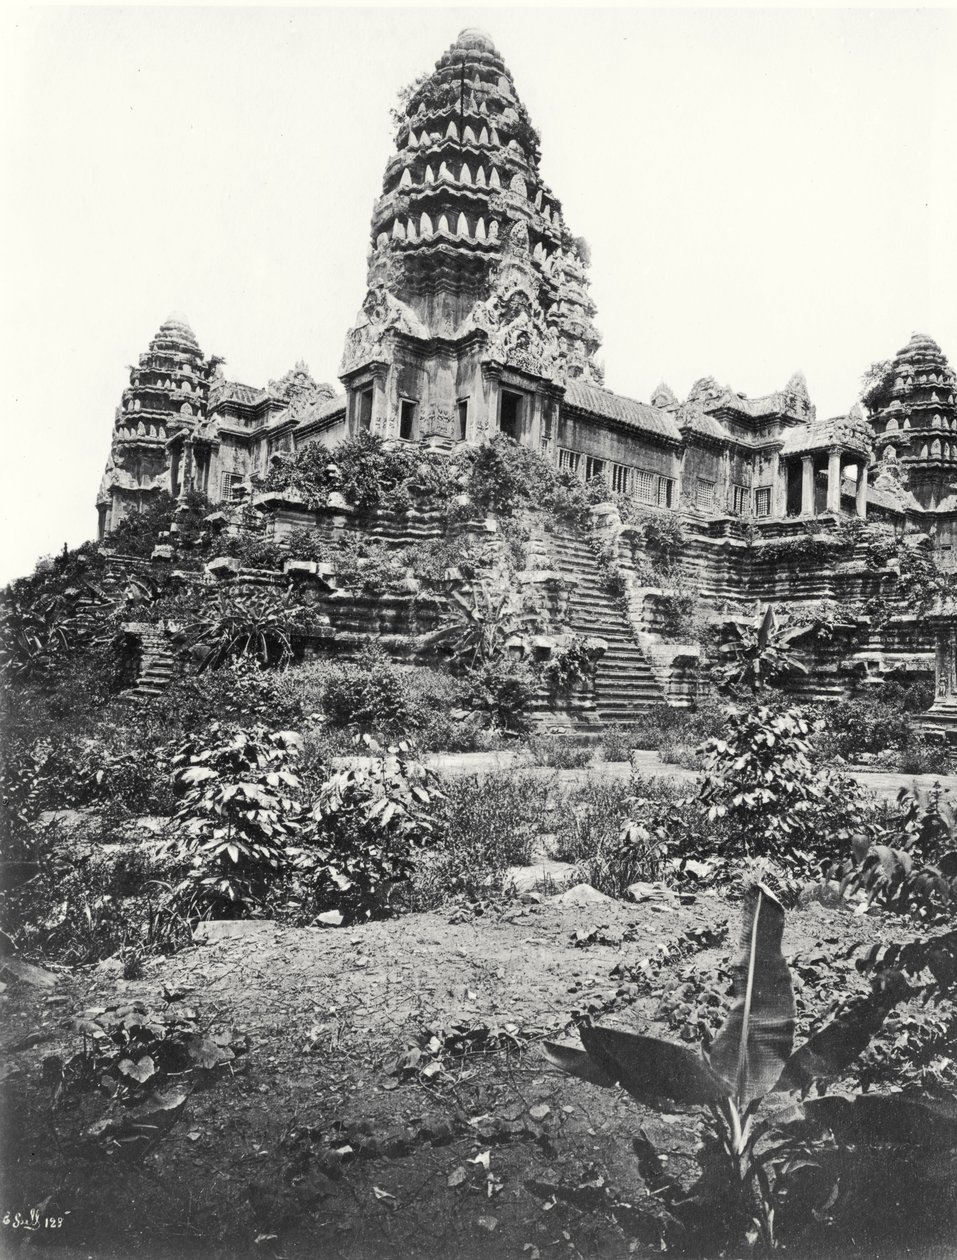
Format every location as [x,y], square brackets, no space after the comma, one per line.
[369,694]
[483,826]
[78,903]
[306,544]
[237,819]
[616,743]
[662,725]
[367,825]
[504,690]
[762,793]
[254,551]
[592,830]
[561,752]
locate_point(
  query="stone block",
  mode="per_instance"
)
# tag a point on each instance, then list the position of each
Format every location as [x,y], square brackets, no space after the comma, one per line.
[223,566]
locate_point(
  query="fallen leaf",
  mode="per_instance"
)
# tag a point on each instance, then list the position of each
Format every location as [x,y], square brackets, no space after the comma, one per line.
[540,1112]
[140,1071]
[458,1176]
[482,1159]
[487,1222]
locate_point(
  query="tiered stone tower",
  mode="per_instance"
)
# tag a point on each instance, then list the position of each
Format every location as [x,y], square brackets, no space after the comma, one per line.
[477,311]
[913,409]
[165,401]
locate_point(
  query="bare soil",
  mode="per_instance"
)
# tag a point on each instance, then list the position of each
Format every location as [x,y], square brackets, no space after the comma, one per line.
[319,1144]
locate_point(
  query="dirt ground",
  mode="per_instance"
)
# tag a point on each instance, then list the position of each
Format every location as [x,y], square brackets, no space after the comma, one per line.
[883,783]
[346,1130]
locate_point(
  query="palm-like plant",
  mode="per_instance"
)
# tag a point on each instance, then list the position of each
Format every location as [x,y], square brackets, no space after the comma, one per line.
[260,624]
[756,658]
[751,1057]
[482,627]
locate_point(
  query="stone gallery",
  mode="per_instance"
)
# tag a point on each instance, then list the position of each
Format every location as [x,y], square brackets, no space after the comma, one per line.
[477,322]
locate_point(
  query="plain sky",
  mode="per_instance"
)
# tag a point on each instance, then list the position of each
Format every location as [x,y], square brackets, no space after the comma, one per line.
[762,190]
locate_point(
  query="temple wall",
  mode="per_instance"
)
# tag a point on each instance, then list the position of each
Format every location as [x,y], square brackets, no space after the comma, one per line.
[620,446]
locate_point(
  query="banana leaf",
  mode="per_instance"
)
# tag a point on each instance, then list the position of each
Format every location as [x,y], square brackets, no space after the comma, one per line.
[879,1119]
[656,1073]
[756,1039]
[577,1063]
[837,1045]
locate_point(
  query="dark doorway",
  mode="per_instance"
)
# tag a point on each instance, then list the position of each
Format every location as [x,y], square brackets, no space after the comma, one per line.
[510,415]
[365,409]
[794,489]
[407,419]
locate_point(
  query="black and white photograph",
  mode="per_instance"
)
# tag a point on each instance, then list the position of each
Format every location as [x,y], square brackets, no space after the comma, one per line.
[478,633]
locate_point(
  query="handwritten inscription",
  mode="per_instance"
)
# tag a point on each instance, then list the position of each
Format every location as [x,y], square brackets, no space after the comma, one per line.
[31,1220]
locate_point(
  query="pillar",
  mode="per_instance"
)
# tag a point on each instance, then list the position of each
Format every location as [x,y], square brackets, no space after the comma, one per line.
[807,485]
[775,483]
[186,471]
[380,403]
[834,481]
[860,503]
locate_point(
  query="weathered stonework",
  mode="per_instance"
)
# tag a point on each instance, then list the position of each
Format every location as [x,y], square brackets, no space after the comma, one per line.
[477,320]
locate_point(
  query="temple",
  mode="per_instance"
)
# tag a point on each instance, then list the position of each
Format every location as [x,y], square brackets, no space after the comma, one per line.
[477,321]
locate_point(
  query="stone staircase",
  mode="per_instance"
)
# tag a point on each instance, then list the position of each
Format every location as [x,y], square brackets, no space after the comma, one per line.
[624,682]
[158,663]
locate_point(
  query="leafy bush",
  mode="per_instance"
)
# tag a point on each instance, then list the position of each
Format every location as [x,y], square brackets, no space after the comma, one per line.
[237,819]
[68,898]
[561,752]
[616,742]
[366,472]
[254,551]
[759,783]
[569,667]
[878,723]
[137,534]
[369,694]
[588,823]
[661,724]
[483,826]
[504,690]
[367,825]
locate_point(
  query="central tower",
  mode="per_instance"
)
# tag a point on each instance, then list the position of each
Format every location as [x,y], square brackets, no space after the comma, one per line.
[477,311]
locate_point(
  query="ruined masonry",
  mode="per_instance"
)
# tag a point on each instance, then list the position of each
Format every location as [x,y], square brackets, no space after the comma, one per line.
[477,321]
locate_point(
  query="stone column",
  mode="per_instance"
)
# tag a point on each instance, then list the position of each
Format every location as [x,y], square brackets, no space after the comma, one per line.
[807,485]
[775,478]
[186,473]
[380,402]
[860,504]
[834,481]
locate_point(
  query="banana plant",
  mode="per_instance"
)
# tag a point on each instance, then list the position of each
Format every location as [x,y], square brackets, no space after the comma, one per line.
[751,1057]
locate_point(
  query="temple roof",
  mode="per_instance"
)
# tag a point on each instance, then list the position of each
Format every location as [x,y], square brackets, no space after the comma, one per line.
[475,37]
[176,328]
[637,415]
[235,391]
[847,432]
[692,419]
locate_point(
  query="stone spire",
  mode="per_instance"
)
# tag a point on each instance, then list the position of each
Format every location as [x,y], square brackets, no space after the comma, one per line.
[913,410]
[161,407]
[465,222]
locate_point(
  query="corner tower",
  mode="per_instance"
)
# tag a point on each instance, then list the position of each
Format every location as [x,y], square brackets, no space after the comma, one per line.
[913,409]
[477,311]
[160,410]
